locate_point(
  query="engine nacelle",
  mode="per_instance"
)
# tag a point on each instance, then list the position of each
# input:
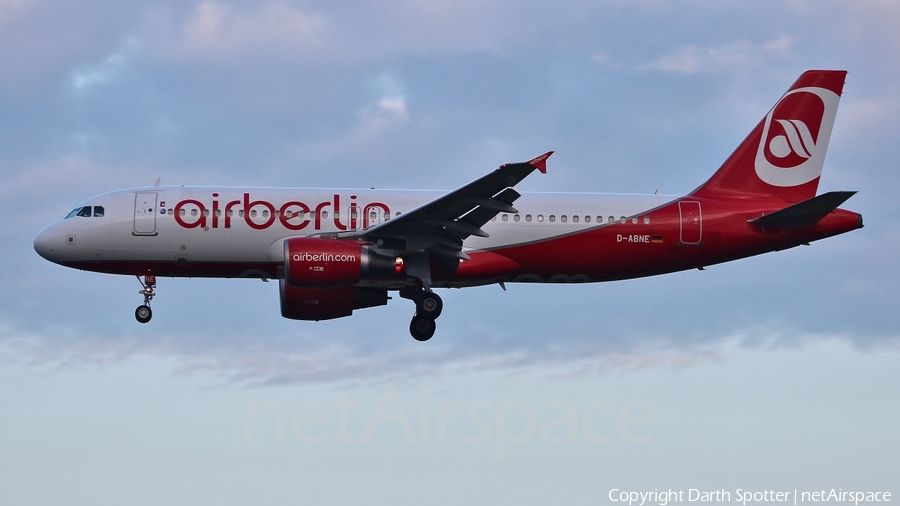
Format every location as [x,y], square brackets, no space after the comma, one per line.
[311,262]
[327,303]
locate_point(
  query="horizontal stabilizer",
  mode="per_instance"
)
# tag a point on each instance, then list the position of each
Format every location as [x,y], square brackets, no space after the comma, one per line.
[807,212]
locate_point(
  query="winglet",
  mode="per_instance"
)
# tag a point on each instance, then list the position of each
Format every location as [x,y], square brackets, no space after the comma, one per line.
[540,163]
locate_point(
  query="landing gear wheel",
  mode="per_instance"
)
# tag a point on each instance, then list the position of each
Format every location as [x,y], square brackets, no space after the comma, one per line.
[429,305]
[143,314]
[422,328]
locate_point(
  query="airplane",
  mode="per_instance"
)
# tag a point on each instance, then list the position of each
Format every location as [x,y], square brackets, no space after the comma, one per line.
[334,251]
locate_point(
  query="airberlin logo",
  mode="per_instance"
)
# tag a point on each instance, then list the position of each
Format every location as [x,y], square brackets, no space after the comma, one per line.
[797,140]
[795,136]
[292,215]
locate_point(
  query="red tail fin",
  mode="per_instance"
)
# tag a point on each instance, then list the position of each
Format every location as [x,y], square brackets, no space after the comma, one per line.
[782,157]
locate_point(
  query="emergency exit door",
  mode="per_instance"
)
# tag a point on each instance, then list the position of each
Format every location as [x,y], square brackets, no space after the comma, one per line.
[691,222]
[145,213]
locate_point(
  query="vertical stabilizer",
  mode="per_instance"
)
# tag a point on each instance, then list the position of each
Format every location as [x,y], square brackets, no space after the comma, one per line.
[782,157]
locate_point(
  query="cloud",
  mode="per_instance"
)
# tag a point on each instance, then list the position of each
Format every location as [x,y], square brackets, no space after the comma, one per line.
[107,70]
[389,110]
[862,121]
[253,360]
[695,59]
[217,30]
[375,127]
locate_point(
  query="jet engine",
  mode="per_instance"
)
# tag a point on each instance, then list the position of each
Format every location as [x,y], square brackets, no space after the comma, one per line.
[327,303]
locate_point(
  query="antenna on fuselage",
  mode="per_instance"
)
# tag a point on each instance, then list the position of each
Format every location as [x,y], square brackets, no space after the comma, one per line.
[157,182]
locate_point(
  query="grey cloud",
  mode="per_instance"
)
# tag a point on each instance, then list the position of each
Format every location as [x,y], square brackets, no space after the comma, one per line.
[739,54]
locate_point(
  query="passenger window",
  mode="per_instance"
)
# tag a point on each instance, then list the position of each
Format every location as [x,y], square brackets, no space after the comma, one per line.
[587,219]
[646,220]
[98,211]
[372,216]
[612,219]
[505,217]
[324,214]
[240,213]
[528,218]
[562,218]
[575,219]
[206,212]
[540,218]
[396,214]
[516,218]
[634,220]
[230,213]
[85,212]
[253,213]
[622,219]
[552,218]
[494,218]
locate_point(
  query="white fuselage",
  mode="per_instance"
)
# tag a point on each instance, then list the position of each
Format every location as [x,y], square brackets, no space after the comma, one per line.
[208,224]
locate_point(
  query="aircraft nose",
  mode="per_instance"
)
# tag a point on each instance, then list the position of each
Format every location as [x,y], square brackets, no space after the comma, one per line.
[47,244]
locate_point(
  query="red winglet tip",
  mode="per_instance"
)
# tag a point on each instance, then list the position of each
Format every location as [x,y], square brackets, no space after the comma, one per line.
[540,163]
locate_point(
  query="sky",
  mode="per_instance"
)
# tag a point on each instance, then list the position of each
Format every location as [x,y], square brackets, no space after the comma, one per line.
[778,372]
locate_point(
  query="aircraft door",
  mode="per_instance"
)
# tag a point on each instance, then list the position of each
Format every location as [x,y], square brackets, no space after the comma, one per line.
[145,213]
[691,222]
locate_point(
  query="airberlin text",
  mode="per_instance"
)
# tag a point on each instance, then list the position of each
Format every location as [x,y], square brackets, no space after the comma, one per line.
[322,257]
[292,215]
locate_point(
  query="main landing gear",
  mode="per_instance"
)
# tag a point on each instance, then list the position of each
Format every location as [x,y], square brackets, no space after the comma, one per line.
[428,307]
[143,313]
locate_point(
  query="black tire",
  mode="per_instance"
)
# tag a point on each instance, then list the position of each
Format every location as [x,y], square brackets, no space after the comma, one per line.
[143,314]
[422,328]
[429,305]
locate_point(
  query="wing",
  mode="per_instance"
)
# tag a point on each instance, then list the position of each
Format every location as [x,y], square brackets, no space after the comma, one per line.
[439,227]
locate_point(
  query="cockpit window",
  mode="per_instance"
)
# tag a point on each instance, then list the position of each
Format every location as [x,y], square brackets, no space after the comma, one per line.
[84,212]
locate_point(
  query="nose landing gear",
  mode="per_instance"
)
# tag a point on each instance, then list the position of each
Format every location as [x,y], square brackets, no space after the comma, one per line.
[422,327]
[428,307]
[143,313]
